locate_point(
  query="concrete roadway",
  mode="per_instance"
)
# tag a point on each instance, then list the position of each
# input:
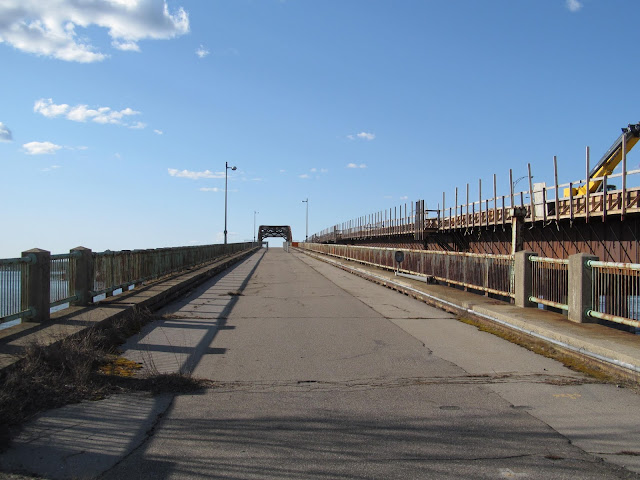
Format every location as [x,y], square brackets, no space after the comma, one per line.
[319,374]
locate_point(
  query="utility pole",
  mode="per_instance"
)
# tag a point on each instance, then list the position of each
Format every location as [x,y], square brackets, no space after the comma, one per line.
[306,236]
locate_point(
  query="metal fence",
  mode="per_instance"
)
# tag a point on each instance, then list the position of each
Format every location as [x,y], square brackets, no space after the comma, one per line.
[487,273]
[615,292]
[14,299]
[111,271]
[550,281]
[120,270]
[62,275]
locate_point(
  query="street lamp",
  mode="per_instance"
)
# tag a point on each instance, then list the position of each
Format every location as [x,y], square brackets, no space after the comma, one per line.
[254,226]
[306,237]
[227,167]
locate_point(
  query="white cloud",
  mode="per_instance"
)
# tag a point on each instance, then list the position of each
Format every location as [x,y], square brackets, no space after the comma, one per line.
[314,170]
[304,175]
[355,165]
[194,175]
[158,132]
[574,5]
[51,168]
[282,170]
[82,113]
[41,148]
[324,170]
[126,46]
[138,126]
[5,133]
[49,27]
[366,136]
[202,51]
[362,136]
[211,189]
[404,197]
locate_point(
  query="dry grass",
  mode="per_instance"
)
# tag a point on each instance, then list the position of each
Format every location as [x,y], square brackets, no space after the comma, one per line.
[570,360]
[81,367]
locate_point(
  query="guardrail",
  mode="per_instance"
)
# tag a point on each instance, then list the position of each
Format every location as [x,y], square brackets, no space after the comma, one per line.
[615,292]
[486,273]
[581,286]
[14,302]
[550,282]
[32,285]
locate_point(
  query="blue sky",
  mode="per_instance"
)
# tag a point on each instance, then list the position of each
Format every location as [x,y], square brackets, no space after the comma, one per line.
[117,116]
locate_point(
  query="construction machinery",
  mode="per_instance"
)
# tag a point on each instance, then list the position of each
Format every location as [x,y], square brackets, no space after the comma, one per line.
[609,161]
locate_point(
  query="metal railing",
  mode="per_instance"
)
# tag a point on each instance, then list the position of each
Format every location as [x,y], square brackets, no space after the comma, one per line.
[14,299]
[62,276]
[120,270]
[487,273]
[550,281]
[111,271]
[615,292]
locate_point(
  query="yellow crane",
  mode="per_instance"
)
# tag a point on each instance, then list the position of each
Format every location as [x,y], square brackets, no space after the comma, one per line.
[609,161]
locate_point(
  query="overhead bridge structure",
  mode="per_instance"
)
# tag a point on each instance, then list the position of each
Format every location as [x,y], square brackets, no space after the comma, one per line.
[274,231]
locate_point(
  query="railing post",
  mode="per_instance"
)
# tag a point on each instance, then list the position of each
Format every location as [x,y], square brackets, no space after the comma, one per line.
[37,284]
[83,275]
[522,278]
[580,284]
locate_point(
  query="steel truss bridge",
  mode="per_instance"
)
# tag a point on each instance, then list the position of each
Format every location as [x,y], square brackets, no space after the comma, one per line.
[274,231]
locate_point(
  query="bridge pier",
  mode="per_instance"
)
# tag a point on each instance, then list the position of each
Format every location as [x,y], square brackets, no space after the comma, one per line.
[38,284]
[580,285]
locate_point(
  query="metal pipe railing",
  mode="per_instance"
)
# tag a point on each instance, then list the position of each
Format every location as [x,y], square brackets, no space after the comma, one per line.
[487,273]
[550,282]
[615,292]
[107,272]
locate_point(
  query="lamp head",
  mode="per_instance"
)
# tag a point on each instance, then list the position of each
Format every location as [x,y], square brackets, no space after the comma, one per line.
[233,168]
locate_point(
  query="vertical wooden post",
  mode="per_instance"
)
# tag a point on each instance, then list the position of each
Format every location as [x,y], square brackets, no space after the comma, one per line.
[467,221]
[624,176]
[531,203]
[555,176]
[495,200]
[511,186]
[480,201]
[456,211]
[588,187]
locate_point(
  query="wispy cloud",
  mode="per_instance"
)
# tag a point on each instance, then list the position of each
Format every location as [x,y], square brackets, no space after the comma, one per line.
[304,175]
[355,165]
[82,113]
[51,168]
[48,28]
[5,133]
[158,132]
[404,197]
[174,172]
[573,5]
[202,51]
[362,136]
[211,189]
[40,148]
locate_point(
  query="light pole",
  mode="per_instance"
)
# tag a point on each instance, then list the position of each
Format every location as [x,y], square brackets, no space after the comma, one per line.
[226,168]
[254,226]
[306,233]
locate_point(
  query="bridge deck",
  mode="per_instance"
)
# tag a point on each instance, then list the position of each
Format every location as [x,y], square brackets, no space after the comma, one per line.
[315,373]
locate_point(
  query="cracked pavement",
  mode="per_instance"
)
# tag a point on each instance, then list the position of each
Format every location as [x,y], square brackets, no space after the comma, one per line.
[314,373]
